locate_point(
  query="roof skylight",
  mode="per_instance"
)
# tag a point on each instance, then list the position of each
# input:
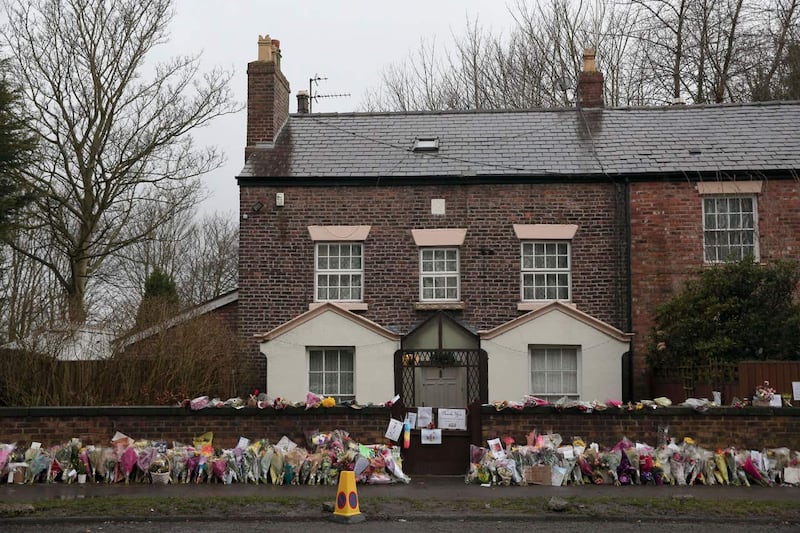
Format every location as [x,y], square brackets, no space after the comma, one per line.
[426,144]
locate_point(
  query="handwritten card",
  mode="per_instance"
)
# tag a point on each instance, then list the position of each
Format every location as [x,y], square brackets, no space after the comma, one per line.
[424,417]
[394,430]
[431,436]
[453,419]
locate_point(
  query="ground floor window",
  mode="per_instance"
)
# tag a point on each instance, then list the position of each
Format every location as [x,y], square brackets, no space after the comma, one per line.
[331,372]
[554,372]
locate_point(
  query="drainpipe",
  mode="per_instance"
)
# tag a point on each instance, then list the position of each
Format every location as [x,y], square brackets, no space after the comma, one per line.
[629,296]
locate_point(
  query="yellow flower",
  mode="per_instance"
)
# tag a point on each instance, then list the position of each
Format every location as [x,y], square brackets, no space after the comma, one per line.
[329,402]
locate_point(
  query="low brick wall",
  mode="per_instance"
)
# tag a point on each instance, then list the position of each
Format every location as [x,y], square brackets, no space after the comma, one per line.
[96,425]
[749,428]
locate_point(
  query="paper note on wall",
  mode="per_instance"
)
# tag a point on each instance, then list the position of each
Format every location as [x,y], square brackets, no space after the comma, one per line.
[431,436]
[453,419]
[424,416]
[394,430]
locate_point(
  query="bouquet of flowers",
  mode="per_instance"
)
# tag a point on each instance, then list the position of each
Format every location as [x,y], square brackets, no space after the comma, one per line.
[330,401]
[5,452]
[38,461]
[764,392]
[313,400]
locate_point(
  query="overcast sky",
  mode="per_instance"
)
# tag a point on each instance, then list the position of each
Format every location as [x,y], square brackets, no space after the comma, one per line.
[347,41]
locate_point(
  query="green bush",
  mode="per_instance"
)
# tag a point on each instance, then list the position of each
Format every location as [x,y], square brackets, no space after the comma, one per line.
[729,312]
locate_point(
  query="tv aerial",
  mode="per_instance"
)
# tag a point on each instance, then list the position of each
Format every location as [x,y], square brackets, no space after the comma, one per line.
[312,97]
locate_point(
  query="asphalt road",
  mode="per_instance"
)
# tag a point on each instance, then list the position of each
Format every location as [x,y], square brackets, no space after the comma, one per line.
[451,525]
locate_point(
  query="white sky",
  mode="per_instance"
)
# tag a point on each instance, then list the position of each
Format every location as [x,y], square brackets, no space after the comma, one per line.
[347,41]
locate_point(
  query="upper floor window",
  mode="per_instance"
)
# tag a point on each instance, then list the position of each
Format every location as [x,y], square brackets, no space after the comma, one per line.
[546,270]
[339,272]
[554,372]
[331,372]
[729,228]
[439,274]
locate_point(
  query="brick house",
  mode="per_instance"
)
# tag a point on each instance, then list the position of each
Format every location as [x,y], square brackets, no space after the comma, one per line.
[453,257]
[435,255]
[730,190]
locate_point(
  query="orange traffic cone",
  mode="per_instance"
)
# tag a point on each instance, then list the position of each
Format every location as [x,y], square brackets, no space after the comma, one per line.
[347,511]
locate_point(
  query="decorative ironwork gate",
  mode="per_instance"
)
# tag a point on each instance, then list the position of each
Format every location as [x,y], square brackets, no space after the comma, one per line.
[474,361]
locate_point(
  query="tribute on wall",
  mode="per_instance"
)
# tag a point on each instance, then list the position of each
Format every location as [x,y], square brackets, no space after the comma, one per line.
[453,419]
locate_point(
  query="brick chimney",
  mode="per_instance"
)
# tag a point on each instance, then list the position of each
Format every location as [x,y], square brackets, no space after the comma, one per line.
[590,82]
[267,95]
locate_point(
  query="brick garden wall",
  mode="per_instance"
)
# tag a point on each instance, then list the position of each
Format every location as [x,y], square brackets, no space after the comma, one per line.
[750,428]
[276,276]
[96,425]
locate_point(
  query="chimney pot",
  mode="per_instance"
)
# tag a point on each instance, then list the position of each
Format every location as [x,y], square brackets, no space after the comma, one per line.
[302,102]
[589,64]
[264,48]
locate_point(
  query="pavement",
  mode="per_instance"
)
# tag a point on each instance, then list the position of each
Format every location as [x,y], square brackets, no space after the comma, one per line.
[428,496]
[443,488]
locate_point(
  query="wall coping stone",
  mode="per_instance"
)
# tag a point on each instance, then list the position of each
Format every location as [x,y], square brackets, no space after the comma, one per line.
[154,410]
[661,411]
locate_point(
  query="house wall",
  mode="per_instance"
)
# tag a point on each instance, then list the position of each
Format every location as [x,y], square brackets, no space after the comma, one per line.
[600,357]
[228,314]
[287,358]
[667,246]
[277,256]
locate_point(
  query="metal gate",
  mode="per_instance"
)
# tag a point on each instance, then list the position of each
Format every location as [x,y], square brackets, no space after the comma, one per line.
[441,344]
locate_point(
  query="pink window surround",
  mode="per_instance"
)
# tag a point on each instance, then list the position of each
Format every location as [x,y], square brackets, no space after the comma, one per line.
[338,233]
[729,187]
[350,306]
[557,232]
[439,237]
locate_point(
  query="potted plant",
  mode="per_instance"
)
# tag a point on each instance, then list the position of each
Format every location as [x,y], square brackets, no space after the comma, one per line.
[80,468]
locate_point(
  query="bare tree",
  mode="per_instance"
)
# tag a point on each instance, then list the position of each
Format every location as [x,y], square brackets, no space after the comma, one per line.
[210,263]
[115,131]
[535,65]
[30,298]
[771,47]
[652,52]
[199,253]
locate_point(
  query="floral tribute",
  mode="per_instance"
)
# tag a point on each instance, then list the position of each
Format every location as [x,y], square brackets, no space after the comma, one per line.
[259,462]
[764,392]
[262,401]
[547,459]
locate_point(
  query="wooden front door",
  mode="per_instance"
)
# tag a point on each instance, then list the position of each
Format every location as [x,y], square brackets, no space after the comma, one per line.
[442,386]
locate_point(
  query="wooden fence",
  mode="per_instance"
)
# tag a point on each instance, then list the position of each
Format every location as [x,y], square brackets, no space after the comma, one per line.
[731,379]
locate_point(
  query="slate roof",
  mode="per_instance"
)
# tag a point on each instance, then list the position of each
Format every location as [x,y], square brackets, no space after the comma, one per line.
[711,139]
